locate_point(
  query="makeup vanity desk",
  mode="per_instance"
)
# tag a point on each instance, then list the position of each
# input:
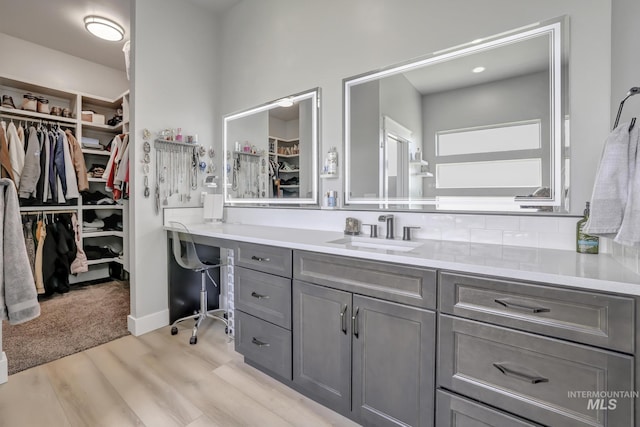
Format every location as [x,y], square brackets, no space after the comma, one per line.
[444,334]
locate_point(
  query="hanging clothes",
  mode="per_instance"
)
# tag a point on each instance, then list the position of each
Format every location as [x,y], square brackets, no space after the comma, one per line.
[41,235]
[18,297]
[5,160]
[79,164]
[71,182]
[58,252]
[30,244]
[31,170]
[16,152]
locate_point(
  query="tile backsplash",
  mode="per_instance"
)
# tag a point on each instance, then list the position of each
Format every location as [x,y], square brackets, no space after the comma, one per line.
[629,257]
[537,232]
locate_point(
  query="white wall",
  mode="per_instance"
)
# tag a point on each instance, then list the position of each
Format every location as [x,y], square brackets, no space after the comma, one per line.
[23,60]
[174,76]
[278,47]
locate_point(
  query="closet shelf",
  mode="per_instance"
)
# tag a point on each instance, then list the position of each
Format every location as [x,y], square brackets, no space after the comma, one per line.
[96,179]
[100,207]
[39,116]
[288,155]
[87,234]
[64,208]
[244,153]
[96,152]
[104,260]
[90,125]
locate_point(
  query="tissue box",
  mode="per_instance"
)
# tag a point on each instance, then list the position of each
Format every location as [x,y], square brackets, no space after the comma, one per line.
[97,119]
[87,116]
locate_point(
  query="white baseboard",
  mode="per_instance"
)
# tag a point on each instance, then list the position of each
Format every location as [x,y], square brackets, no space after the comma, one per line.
[4,368]
[141,325]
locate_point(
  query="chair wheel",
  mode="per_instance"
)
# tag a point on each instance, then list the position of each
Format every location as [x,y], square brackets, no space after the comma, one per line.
[174,330]
[193,340]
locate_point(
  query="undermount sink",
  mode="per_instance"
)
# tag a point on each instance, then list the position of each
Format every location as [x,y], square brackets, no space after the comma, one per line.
[370,243]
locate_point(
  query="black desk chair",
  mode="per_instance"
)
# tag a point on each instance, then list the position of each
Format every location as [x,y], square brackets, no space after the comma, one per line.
[184,251]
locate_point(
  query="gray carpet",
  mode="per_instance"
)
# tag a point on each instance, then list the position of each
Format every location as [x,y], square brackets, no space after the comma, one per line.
[87,316]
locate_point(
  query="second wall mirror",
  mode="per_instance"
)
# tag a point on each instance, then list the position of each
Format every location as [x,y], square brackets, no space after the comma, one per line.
[272,153]
[477,127]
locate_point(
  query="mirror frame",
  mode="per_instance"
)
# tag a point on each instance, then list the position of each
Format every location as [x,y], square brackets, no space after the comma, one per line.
[557,30]
[314,96]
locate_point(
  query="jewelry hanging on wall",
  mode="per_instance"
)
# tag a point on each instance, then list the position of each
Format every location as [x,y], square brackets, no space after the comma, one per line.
[146,160]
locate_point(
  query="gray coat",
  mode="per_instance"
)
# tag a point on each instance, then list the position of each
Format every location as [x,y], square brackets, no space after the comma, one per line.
[18,297]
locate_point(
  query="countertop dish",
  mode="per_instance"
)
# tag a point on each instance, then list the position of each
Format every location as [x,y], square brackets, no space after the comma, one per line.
[557,267]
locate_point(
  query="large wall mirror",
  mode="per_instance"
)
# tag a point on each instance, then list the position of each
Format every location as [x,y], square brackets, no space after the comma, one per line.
[478,127]
[272,153]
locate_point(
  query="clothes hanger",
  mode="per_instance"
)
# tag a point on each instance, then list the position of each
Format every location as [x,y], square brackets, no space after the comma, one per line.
[633,123]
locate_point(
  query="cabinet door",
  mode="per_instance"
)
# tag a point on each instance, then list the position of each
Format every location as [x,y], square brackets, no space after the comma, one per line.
[393,363]
[322,344]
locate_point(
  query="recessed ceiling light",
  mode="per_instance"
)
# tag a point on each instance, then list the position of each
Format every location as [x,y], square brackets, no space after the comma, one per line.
[285,102]
[103,28]
[478,69]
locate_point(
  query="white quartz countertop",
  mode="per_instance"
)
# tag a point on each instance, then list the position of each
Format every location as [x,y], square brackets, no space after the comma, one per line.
[558,267]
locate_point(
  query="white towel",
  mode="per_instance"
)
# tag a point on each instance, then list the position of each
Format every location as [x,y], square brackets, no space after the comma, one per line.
[629,233]
[610,189]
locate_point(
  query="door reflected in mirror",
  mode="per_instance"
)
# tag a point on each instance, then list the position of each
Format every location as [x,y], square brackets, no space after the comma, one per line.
[272,151]
[477,127]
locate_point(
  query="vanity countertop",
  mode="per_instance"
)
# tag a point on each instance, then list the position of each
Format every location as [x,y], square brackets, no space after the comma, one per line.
[552,266]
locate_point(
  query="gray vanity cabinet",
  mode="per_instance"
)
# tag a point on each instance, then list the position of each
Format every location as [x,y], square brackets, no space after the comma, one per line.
[322,344]
[456,411]
[367,358]
[263,308]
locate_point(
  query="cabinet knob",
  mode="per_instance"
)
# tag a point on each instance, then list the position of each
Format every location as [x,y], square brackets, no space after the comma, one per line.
[259,259]
[259,343]
[259,296]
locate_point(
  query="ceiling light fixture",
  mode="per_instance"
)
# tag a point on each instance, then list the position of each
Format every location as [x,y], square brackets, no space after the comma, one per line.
[478,69]
[285,102]
[103,28]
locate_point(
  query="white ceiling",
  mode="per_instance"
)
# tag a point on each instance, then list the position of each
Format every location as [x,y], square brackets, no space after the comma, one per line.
[58,24]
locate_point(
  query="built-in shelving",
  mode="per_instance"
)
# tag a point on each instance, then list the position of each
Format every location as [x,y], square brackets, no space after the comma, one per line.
[76,102]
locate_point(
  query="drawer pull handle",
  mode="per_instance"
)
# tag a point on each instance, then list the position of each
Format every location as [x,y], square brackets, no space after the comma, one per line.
[260,259]
[259,343]
[356,330]
[509,303]
[510,370]
[343,319]
[259,296]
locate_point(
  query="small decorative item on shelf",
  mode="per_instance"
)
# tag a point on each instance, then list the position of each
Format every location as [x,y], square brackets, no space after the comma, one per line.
[331,163]
[66,113]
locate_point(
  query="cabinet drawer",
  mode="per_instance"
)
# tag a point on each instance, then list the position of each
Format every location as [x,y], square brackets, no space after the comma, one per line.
[268,259]
[264,295]
[586,317]
[264,344]
[392,282]
[456,411]
[533,376]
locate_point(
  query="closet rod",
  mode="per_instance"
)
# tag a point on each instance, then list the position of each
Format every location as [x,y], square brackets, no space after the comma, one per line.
[43,212]
[32,120]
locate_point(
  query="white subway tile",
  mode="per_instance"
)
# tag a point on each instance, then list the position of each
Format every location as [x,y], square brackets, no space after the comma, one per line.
[567,225]
[470,221]
[486,236]
[499,222]
[456,234]
[528,223]
[440,221]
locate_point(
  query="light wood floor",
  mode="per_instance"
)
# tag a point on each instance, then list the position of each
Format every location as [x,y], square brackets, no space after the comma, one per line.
[156,380]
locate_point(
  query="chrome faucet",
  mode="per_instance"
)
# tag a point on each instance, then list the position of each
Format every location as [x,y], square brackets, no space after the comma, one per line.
[390,225]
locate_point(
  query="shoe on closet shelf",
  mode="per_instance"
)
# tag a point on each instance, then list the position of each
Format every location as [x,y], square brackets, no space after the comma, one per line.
[29,102]
[7,102]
